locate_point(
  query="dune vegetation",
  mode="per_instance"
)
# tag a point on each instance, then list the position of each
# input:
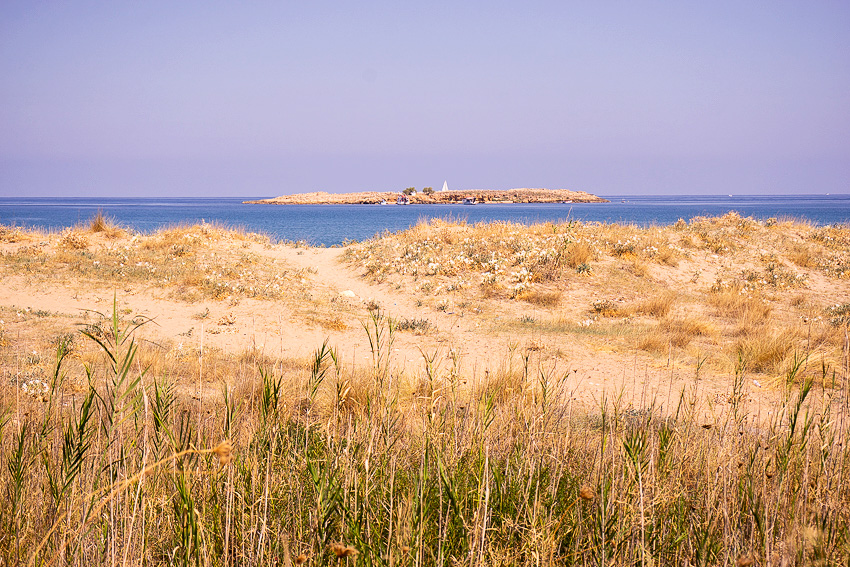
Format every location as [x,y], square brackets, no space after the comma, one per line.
[120,445]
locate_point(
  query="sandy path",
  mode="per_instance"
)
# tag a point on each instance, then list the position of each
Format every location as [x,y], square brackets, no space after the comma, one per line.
[587,373]
[474,340]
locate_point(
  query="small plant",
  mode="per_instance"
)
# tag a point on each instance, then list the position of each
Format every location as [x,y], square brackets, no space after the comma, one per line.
[416,326]
[380,331]
[202,314]
[607,308]
[838,314]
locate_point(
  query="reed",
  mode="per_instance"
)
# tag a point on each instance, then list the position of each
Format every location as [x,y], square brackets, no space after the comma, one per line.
[134,471]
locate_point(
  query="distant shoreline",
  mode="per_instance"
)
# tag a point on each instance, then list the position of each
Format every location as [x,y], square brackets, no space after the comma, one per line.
[478,196]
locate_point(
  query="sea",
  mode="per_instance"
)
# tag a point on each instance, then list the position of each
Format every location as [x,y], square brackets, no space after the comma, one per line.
[330,225]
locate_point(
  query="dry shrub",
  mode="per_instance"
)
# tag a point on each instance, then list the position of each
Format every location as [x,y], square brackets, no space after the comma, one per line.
[666,255]
[687,241]
[13,234]
[717,243]
[73,240]
[658,306]
[543,298]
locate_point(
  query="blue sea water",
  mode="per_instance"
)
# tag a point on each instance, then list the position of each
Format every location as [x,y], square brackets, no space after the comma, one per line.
[334,224]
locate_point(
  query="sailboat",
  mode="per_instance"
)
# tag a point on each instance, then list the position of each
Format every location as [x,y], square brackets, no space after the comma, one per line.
[445,187]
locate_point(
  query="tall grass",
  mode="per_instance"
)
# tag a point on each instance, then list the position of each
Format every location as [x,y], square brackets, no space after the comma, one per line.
[343,464]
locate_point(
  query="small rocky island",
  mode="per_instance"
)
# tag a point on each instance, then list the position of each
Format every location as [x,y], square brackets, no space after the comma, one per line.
[475,196]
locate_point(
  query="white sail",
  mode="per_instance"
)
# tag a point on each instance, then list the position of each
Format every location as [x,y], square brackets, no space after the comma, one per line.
[445,186]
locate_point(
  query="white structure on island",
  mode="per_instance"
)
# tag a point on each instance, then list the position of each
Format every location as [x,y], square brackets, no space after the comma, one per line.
[445,187]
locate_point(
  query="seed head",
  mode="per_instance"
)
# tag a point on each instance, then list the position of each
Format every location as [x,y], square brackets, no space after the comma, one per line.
[224,452]
[342,550]
[301,559]
[586,493]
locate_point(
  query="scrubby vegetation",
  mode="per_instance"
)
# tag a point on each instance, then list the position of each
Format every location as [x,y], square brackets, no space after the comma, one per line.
[191,262]
[727,288]
[118,446]
[319,462]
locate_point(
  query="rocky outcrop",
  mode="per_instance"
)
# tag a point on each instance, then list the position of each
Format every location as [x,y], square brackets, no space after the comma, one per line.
[440,197]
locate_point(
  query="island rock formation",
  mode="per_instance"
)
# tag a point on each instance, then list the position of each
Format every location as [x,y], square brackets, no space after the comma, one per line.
[483,196]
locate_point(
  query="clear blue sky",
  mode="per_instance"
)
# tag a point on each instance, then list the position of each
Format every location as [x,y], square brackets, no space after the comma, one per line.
[162,98]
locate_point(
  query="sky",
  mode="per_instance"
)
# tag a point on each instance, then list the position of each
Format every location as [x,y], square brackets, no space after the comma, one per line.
[254,99]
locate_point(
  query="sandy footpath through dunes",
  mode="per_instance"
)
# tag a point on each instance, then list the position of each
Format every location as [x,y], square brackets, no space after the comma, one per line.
[590,372]
[294,329]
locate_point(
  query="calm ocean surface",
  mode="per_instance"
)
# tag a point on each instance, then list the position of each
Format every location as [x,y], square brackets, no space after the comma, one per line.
[333,224]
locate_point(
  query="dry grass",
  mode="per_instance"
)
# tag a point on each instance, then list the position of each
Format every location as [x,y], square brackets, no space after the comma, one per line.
[579,253]
[745,308]
[682,330]
[101,224]
[239,457]
[802,255]
[316,458]
[543,298]
[657,342]
[657,306]
[191,262]
[765,350]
